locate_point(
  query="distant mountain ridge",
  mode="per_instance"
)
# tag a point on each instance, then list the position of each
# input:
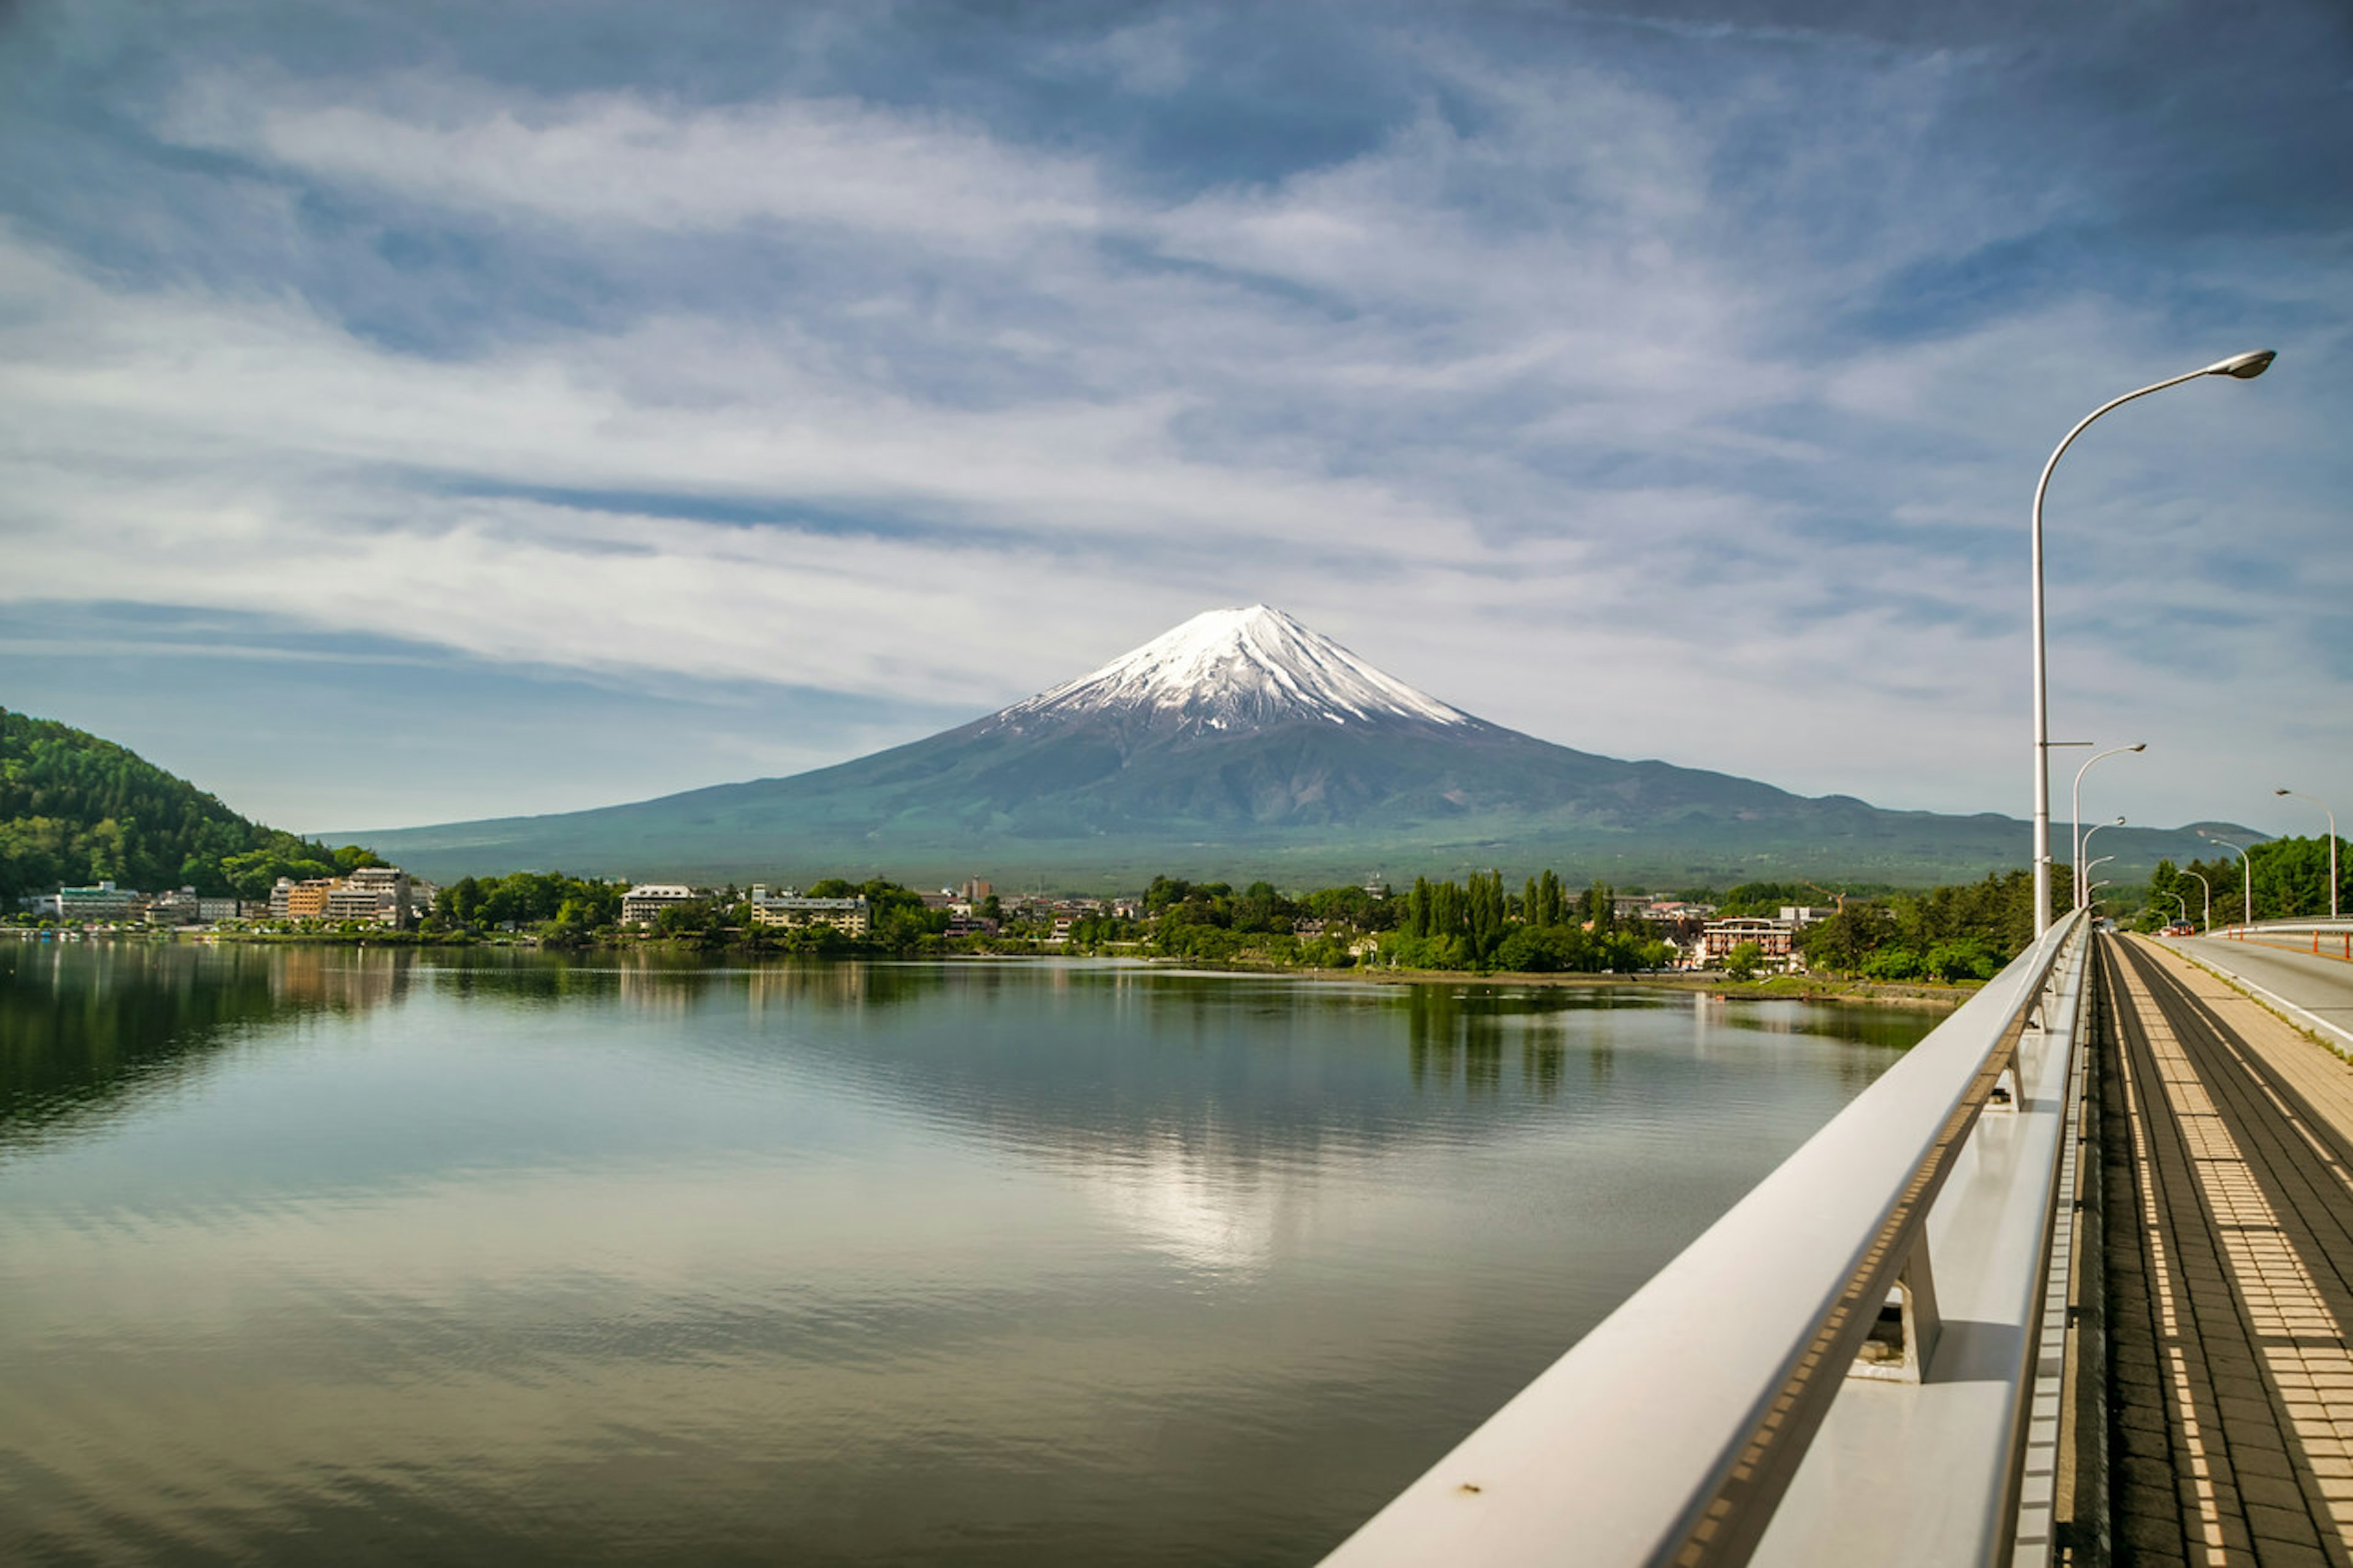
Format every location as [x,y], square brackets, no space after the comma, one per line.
[1240,741]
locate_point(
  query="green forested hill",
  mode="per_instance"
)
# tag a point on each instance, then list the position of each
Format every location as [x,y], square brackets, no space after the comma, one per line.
[76,809]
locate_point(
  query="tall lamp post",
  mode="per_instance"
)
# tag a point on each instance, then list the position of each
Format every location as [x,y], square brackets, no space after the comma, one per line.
[2089,884]
[2082,873]
[2075,838]
[2243,367]
[2209,899]
[2332,843]
[2247,872]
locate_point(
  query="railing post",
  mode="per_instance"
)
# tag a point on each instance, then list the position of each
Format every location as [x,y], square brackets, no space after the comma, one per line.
[1909,1324]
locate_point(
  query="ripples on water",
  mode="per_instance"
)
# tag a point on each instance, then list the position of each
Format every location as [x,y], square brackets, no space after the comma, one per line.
[363,1256]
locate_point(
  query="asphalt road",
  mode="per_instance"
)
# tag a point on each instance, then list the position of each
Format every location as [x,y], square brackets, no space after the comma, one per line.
[2322,986]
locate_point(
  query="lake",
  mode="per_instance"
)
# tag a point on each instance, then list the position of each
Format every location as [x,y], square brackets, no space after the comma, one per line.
[391,1256]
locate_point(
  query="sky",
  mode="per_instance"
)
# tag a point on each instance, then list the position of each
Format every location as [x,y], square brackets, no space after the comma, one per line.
[414,412]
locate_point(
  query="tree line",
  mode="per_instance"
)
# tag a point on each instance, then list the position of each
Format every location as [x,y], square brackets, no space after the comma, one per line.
[2290,878]
[574,912]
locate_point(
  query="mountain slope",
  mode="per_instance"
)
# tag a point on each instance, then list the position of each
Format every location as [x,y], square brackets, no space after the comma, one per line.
[77,809]
[1240,740]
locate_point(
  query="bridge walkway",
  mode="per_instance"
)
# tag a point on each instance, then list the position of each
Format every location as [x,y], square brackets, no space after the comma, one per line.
[2228,1172]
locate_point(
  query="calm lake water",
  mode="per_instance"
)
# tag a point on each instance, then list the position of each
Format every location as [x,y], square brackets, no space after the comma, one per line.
[386,1257]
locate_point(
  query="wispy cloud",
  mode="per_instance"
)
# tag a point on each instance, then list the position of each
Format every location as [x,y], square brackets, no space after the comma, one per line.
[1664,395]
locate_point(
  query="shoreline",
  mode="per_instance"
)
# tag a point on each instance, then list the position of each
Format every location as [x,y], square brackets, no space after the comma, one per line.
[1779,988]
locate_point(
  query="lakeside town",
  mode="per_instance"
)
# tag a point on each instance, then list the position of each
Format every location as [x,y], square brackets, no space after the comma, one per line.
[1371,927]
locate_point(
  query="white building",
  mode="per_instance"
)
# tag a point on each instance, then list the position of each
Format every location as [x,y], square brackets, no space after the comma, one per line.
[103,902]
[372,895]
[642,905]
[854,916]
[178,907]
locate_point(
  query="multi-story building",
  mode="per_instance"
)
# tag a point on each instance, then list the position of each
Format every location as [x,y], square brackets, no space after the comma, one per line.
[642,905]
[1718,938]
[853,916]
[421,897]
[213,911]
[306,901]
[372,895]
[177,908]
[103,902]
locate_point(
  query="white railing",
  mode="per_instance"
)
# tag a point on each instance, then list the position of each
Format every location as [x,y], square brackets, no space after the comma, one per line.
[1714,1418]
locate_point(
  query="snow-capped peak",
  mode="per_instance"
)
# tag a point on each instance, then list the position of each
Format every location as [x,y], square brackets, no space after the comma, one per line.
[1240,669]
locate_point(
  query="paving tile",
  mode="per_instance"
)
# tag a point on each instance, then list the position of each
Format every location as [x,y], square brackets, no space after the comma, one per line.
[2268,1523]
[2230,1258]
[2273,1491]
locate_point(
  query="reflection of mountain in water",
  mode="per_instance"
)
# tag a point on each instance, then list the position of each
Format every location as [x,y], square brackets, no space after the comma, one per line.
[1187,1100]
[1094,1061]
[85,1024]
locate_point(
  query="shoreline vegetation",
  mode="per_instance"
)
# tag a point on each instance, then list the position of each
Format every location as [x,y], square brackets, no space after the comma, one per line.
[1928,948]
[1782,987]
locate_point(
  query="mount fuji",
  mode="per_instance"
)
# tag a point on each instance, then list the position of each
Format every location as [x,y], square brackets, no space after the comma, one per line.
[1241,743]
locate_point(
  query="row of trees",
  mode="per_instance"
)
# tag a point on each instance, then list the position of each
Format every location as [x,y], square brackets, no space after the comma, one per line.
[572,912]
[1959,932]
[1543,930]
[1446,925]
[1962,932]
[2289,877]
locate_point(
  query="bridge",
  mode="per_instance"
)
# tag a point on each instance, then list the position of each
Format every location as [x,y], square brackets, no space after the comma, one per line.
[2072,1282]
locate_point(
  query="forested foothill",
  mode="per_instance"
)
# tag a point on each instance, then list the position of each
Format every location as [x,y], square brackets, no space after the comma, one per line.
[76,810]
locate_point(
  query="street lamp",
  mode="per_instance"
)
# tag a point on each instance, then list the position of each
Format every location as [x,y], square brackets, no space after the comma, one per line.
[2076,835]
[2332,843]
[2242,367]
[2082,847]
[2209,898]
[2246,872]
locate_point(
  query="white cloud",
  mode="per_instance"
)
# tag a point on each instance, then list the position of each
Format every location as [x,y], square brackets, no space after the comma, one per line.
[618,159]
[1541,407]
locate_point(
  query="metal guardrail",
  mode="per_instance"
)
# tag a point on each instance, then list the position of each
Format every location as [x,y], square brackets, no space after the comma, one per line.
[1670,1434]
[2333,938]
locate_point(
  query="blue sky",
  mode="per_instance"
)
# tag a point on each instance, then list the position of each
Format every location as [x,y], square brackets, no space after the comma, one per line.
[411,412]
